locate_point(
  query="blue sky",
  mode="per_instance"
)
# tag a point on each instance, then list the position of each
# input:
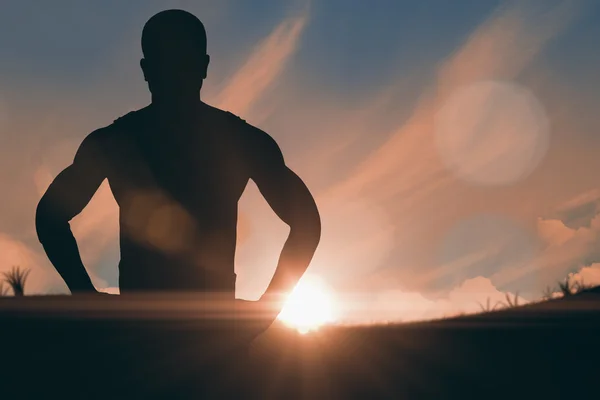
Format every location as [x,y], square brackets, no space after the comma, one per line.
[353,92]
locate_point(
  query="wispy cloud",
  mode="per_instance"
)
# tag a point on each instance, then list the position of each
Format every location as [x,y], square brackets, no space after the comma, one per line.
[262,68]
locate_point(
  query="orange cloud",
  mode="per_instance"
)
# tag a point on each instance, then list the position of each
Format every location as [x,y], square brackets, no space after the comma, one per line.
[565,250]
[262,68]
[554,232]
[588,275]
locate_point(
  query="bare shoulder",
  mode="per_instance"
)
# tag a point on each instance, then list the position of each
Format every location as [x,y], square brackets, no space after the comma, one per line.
[104,140]
[258,142]
[95,144]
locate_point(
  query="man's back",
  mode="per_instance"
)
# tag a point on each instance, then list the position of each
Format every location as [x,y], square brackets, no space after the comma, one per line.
[177,180]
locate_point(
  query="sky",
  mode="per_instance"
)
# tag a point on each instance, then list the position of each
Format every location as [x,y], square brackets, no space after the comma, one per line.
[451,146]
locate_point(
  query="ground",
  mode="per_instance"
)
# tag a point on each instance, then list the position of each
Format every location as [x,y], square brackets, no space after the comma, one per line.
[65,347]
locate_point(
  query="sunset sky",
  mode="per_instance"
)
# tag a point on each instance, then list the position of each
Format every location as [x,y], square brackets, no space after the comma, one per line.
[452,147]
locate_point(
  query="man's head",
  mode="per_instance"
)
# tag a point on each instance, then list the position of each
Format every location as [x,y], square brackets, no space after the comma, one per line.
[175,60]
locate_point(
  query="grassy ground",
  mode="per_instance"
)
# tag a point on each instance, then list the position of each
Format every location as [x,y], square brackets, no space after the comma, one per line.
[64,347]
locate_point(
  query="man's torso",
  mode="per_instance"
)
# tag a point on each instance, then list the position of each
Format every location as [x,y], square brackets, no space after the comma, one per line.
[177,184]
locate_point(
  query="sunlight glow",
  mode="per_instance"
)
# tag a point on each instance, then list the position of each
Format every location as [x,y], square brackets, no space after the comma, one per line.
[309,306]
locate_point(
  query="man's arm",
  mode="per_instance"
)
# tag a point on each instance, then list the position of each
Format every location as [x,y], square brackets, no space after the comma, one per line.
[66,197]
[293,203]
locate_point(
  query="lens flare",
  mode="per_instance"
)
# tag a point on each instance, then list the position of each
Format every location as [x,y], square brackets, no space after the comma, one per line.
[309,306]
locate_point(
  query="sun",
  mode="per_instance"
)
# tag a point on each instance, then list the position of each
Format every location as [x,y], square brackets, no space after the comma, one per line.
[309,306]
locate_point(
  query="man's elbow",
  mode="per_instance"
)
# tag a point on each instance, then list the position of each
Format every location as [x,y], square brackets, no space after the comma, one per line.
[47,222]
[308,228]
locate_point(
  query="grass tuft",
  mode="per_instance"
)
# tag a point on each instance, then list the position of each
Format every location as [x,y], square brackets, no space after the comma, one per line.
[488,306]
[16,278]
[514,302]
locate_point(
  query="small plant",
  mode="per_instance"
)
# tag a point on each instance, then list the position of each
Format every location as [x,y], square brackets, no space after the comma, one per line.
[566,288]
[514,302]
[548,293]
[16,278]
[488,306]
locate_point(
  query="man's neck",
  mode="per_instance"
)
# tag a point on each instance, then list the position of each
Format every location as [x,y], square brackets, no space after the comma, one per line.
[177,105]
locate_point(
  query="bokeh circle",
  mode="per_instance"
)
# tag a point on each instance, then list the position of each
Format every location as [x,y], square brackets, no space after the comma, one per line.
[491,132]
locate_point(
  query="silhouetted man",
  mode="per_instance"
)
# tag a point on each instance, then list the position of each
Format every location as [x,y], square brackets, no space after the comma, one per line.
[177,169]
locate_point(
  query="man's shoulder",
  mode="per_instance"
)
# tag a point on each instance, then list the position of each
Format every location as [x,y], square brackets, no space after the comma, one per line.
[253,137]
[98,138]
[130,119]
[105,137]
[226,117]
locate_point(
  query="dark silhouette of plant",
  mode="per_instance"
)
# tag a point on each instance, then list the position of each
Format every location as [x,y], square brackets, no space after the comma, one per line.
[16,278]
[548,293]
[488,306]
[566,288]
[514,302]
